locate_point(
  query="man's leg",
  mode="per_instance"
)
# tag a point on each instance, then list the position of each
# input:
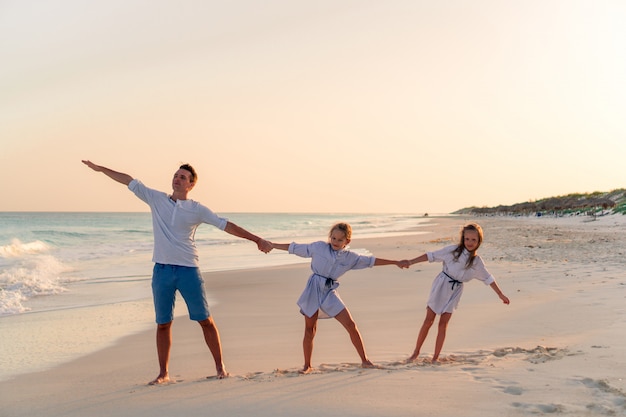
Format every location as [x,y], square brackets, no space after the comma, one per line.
[212,338]
[163,292]
[164,345]
[191,287]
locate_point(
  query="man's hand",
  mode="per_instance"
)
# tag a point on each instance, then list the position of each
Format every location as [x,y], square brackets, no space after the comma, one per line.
[264,245]
[114,175]
[93,166]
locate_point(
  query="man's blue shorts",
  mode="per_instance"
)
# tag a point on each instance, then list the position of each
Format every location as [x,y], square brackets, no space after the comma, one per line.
[166,279]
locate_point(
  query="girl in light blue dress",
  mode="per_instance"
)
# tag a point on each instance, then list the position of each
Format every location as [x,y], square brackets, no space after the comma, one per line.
[461,263]
[329,261]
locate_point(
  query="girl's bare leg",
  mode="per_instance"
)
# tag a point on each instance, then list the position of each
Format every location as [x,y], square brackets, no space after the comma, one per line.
[310,327]
[421,336]
[346,320]
[441,334]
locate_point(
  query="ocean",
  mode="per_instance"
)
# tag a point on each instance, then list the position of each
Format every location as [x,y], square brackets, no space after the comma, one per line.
[98,265]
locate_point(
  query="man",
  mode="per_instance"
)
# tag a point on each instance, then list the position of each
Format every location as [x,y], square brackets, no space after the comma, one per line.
[175,219]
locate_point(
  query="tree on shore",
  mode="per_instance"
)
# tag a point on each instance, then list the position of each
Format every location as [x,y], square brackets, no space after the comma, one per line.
[591,203]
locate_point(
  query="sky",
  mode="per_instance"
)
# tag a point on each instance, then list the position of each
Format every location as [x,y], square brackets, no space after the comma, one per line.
[332,106]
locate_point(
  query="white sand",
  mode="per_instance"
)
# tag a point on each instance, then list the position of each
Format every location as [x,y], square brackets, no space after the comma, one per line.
[559,348]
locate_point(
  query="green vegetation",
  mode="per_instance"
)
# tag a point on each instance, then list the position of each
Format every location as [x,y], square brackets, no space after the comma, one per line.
[595,203]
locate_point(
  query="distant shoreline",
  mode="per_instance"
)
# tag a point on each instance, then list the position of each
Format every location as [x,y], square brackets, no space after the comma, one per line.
[593,204]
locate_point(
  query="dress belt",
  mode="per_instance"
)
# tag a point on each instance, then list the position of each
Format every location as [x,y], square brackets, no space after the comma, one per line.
[452,281]
[329,281]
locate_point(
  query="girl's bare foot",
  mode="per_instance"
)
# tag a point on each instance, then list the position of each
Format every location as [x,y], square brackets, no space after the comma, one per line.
[221,374]
[161,379]
[412,358]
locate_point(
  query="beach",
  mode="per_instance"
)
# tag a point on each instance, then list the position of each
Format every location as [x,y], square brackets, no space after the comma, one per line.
[557,349]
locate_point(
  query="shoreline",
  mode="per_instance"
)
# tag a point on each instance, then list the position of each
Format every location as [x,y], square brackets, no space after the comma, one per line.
[557,348]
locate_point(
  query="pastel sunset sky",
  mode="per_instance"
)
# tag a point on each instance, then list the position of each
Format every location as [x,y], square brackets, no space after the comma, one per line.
[404,106]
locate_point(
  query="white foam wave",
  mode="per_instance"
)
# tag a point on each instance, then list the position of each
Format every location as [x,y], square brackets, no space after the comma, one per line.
[17,249]
[30,277]
[11,302]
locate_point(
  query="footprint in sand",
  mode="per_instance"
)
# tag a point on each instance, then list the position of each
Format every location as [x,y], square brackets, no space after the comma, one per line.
[539,354]
[513,390]
[287,372]
[251,376]
[342,367]
[607,399]
[540,408]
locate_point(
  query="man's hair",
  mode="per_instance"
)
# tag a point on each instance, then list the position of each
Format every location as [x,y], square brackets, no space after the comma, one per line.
[187,167]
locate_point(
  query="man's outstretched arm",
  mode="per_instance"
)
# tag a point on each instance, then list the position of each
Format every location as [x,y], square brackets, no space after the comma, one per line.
[117,176]
[262,244]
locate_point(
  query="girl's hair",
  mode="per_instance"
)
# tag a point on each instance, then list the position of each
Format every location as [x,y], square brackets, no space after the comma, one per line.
[342,227]
[459,249]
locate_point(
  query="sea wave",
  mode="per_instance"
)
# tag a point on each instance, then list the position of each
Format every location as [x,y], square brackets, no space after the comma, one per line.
[17,249]
[28,270]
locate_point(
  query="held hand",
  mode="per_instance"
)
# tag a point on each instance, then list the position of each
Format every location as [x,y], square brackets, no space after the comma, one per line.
[264,245]
[403,264]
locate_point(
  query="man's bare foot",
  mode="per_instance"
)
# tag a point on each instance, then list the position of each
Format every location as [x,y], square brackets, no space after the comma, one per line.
[161,379]
[221,374]
[368,364]
[305,370]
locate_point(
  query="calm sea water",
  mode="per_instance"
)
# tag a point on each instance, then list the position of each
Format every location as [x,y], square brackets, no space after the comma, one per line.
[47,258]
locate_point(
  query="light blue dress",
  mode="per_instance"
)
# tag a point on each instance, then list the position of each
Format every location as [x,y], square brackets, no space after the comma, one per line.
[327,265]
[447,287]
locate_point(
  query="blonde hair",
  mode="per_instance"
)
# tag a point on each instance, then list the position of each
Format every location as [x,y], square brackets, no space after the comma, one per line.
[342,227]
